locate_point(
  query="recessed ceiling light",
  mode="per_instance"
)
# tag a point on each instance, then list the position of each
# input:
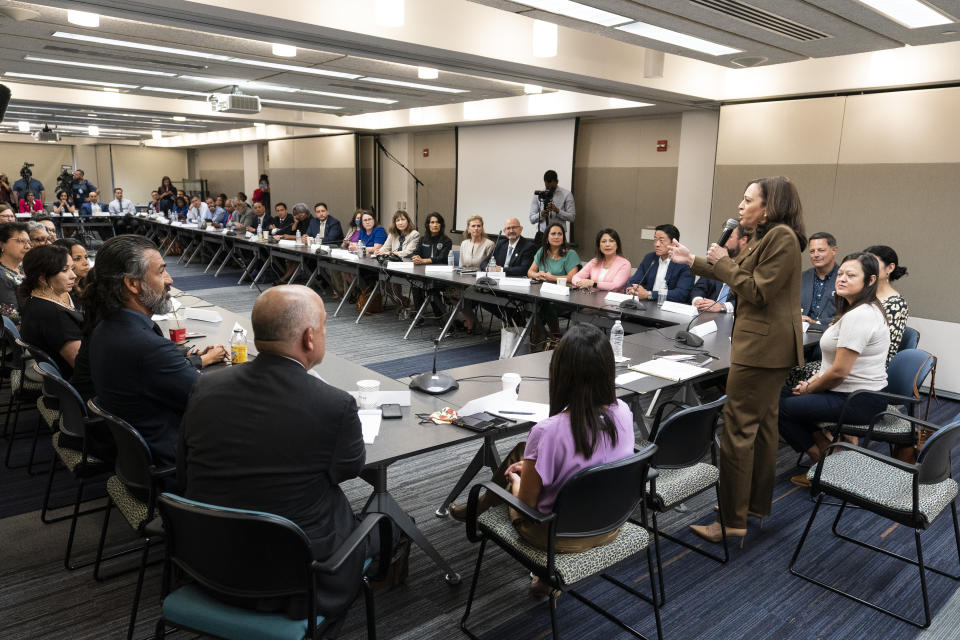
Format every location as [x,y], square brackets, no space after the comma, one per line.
[389,13]
[83,18]
[300,104]
[295,68]
[249,84]
[179,118]
[23,126]
[111,89]
[92,115]
[284,50]
[105,67]
[178,91]
[910,13]
[544,39]
[427,73]
[414,85]
[347,96]
[34,76]
[660,34]
[156,134]
[532,88]
[259,124]
[577,11]
[93,130]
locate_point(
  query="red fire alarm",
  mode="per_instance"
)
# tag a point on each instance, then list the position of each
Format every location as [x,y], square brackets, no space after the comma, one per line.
[661,145]
[426,153]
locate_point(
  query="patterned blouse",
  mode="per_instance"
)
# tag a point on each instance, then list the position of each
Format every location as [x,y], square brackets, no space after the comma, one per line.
[10,281]
[897,313]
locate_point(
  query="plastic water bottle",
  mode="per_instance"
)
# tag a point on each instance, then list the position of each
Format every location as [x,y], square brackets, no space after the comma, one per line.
[238,347]
[662,295]
[492,264]
[299,237]
[451,259]
[616,339]
[260,230]
[361,250]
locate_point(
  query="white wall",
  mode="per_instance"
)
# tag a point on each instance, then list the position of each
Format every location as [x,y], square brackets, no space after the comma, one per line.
[139,170]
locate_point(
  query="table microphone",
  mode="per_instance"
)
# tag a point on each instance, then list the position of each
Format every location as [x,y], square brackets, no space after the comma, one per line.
[634,303]
[692,339]
[434,383]
[487,280]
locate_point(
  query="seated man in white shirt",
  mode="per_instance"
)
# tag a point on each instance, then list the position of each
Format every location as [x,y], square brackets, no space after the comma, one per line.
[198,210]
[120,206]
[713,295]
[657,272]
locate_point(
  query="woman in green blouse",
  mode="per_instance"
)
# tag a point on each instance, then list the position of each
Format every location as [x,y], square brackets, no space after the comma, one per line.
[555,259]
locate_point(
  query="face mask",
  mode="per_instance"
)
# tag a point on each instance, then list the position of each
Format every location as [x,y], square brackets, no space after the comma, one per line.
[263,185]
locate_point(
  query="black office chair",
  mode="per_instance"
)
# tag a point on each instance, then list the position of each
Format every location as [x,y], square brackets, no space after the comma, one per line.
[683,441]
[596,500]
[910,494]
[134,491]
[80,463]
[25,389]
[250,554]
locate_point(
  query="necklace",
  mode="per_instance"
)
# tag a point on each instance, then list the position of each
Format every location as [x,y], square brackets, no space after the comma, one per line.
[43,296]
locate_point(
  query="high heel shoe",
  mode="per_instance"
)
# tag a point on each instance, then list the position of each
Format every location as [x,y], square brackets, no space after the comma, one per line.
[714,533]
[750,514]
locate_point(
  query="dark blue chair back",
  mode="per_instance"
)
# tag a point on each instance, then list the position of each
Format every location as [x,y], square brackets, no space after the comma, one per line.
[908,370]
[934,458]
[910,339]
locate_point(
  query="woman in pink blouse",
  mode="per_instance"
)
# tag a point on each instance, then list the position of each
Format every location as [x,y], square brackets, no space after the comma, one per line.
[608,270]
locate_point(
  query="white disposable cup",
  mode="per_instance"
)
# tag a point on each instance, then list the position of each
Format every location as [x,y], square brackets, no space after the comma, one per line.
[562,282]
[511,382]
[368,390]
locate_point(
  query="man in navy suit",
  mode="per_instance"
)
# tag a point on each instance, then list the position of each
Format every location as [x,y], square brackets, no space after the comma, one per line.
[713,295]
[655,270]
[261,219]
[325,225]
[513,253]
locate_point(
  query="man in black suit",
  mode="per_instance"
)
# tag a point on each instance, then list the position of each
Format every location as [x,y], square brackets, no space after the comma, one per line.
[325,225]
[137,372]
[284,449]
[514,253]
[261,219]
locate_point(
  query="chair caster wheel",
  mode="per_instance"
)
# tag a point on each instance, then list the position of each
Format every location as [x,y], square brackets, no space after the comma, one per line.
[452,578]
[441,512]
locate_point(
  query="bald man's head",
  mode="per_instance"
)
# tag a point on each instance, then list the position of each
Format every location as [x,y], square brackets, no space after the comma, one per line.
[512,229]
[290,320]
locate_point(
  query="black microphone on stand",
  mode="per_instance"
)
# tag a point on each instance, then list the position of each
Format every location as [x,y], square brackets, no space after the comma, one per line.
[434,382]
[634,303]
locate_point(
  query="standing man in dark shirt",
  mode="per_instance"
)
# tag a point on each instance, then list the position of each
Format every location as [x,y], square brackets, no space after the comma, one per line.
[817,285]
[28,183]
[137,372]
[287,455]
[81,188]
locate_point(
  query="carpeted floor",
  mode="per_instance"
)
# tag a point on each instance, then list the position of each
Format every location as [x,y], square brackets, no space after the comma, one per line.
[753,596]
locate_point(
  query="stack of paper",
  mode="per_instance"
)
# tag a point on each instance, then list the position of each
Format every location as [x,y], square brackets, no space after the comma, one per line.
[669,369]
[369,424]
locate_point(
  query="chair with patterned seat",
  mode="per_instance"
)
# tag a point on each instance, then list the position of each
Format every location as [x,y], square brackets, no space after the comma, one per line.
[133,490]
[251,555]
[25,388]
[83,466]
[912,495]
[684,440]
[906,374]
[596,500]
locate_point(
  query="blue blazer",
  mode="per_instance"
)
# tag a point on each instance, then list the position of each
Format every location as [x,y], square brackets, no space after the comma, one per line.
[332,233]
[679,278]
[710,289]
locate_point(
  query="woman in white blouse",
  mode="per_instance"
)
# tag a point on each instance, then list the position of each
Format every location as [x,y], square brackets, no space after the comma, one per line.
[475,250]
[402,237]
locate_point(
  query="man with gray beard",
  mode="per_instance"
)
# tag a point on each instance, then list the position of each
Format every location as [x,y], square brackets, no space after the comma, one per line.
[138,373]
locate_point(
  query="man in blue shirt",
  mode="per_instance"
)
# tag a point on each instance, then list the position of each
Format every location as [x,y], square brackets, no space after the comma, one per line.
[817,285]
[81,188]
[27,183]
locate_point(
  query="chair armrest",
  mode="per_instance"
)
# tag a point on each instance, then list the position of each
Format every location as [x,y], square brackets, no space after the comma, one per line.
[506,496]
[163,472]
[910,419]
[656,420]
[355,539]
[883,394]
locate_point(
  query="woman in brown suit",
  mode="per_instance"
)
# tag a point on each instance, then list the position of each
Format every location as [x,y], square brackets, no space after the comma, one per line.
[767,341]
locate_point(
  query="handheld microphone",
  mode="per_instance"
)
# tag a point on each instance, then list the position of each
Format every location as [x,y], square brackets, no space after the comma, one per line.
[434,383]
[692,339]
[728,228]
[634,303]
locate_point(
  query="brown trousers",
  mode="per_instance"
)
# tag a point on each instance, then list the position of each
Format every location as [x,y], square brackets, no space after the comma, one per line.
[535,533]
[749,442]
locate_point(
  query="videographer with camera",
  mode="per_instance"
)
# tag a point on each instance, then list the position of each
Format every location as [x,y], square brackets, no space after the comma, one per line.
[28,183]
[553,204]
[81,188]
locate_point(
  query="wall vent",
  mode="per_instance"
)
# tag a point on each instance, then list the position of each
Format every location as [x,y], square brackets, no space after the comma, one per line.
[763,19]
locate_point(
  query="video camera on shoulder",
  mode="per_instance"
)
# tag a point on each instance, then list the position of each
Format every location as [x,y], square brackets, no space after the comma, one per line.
[545,196]
[25,171]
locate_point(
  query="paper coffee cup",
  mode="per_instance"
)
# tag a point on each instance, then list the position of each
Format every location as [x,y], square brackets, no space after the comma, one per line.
[562,282]
[511,382]
[367,393]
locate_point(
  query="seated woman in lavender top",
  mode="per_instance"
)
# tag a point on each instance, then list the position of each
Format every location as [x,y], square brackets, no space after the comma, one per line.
[587,426]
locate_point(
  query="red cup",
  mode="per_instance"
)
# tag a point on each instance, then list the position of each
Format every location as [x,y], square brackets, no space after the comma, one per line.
[178,335]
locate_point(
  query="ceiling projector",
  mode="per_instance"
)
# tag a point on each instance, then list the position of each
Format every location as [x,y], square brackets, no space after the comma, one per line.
[234,103]
[46,135]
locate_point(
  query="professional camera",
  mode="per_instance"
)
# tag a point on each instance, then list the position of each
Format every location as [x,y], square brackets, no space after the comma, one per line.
[25,172]
[545,195]
[65,181]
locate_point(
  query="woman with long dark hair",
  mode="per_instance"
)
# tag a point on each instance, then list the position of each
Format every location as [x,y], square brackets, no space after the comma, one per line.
[608,270]
[854,349]
[587,426]
[14,245]
[262,192]
[554,259]
[81,264]
[433,248]
[767,341]
[168,195]
[894,304]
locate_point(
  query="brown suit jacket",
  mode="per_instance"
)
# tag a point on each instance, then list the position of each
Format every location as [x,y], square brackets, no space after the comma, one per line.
[767,329]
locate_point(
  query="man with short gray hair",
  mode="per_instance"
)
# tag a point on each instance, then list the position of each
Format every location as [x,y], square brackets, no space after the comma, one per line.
[284,449]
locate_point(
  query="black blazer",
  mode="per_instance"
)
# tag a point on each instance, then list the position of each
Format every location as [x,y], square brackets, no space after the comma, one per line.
[282,450]
[521,259]
[142,377]
[332,232]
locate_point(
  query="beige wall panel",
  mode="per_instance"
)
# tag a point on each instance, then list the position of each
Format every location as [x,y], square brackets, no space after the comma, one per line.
[815,184]
[336,187]
[85,156]
[626,142]
[105,174]
[790,132]
[329,152]
[902,127]
[222,168]
[279,155]
[625,199]
[911,208]
[46,157]
[437,194]
[442,146]
[139,171]
[228,181]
